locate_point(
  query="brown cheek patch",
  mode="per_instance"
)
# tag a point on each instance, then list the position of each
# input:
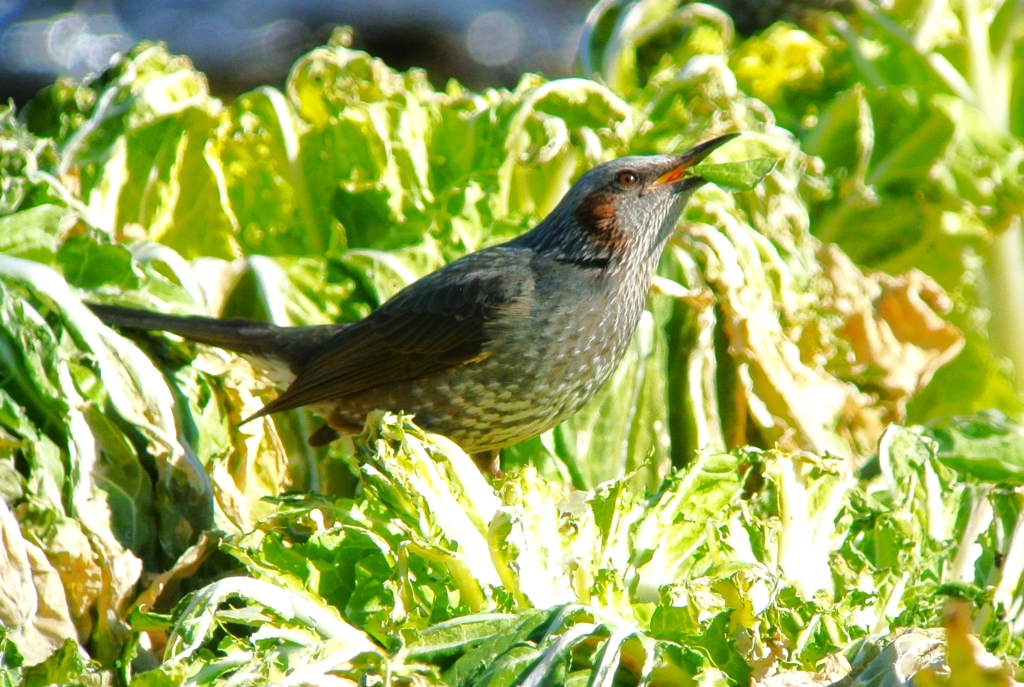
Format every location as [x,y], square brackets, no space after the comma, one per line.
[598,215]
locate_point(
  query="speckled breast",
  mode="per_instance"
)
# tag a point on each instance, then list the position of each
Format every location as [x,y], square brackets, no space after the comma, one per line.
[532,377]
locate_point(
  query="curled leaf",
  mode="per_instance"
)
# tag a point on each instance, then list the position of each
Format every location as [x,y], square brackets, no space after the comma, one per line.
[893,324]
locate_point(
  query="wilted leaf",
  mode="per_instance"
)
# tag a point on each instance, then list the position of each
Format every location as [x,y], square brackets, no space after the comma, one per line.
[32,600]
[894,326]
[968,662]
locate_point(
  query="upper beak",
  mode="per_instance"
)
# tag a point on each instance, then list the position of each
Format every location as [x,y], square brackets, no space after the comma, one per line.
[688,159]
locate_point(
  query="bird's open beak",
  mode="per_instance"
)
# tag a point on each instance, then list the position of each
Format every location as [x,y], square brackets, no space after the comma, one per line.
[685,161]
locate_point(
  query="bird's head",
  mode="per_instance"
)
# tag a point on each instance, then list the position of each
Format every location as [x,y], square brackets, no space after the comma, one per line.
[624,209]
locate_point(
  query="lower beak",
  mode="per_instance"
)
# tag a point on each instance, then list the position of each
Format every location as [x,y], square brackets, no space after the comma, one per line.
[677,175]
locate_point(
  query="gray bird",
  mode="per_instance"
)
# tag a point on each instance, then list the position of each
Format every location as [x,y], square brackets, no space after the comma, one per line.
[498,346]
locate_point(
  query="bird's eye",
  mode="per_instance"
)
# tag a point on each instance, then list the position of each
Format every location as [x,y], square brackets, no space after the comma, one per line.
[628,178]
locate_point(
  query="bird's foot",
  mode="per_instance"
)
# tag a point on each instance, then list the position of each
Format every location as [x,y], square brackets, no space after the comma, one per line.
[489,463]
[323,436]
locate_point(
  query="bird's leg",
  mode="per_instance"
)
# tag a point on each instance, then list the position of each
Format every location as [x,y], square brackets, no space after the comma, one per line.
[489,463]
[323,436]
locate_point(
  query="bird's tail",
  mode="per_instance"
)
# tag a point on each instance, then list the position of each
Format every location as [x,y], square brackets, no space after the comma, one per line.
[291,345]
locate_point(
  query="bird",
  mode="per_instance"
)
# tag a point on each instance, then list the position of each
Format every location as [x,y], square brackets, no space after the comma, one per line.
[499,345]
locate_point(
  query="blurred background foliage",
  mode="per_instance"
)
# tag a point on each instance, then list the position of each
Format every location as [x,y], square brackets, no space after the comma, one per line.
[241,44]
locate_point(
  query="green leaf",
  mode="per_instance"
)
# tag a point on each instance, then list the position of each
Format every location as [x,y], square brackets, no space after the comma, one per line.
[11,660]
[737,176]
[32,233]
[91,260]
[147,621]
[266,180]
[451,639]
[350,569]
[986,446]
[127,485]
[505,656]
[68,666]
[676,519]
[719,642]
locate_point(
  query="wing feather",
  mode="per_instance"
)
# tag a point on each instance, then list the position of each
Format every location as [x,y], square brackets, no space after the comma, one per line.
[441,321]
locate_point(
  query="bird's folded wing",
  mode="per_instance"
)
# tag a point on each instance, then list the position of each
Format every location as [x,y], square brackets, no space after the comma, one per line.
[436,323]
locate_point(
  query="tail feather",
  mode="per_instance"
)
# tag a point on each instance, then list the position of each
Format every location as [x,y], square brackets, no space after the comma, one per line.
[294,346]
